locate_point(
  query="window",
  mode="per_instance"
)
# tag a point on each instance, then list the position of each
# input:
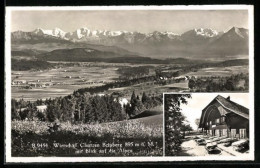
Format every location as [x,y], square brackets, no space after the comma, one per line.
[242,133]
[217,132]
[220,132]
[210,123]
[233,133]
[223,119]
[207,123]
[217,121]
[210,132]
[224,131]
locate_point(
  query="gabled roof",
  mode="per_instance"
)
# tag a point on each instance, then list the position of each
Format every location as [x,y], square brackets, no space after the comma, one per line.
[229,105]
[234,107]
[226,107]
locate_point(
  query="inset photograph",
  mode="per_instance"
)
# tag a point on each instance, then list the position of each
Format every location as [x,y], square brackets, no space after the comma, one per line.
[208,124]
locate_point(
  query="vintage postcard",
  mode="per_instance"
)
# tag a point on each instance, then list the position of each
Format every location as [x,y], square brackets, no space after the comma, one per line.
[95,84]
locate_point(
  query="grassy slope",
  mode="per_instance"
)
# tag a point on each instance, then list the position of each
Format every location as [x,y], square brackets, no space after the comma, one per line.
[140,130]
[154,119]
[152,116]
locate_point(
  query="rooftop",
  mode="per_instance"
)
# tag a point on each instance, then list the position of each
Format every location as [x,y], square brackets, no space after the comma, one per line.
[232,106]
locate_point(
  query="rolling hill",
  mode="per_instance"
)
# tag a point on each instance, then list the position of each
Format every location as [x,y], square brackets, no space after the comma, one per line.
[26,52]
[93,55]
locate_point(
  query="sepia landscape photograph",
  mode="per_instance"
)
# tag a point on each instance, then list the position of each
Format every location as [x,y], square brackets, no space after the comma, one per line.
[90,82]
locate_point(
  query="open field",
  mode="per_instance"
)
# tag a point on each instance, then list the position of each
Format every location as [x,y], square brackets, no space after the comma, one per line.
[219,71]
[63,81]
[48,92]
[181,85]
[150,89]
[70,75]
[107,64]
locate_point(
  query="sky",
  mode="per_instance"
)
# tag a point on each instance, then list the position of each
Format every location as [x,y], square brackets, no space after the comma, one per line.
[199,101]
[145,21]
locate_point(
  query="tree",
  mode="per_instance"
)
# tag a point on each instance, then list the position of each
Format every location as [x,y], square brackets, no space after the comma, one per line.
[115,111]
[144,98]
[137,108]
[128,110]
[230,85]
[65,116]
[41,116]
[186,127]
[14,110]
[246,85]
[101,109]
[89,115]
[192,83]
[197,122]
[137,97]
[50,113]
[133,105]
[133,98]
[24,113]
[174,122]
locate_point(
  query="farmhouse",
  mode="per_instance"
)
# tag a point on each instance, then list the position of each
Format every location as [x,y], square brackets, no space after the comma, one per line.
[18,82]
[181,78]
[123,101]
[41,108]
[223,117]
[32,84]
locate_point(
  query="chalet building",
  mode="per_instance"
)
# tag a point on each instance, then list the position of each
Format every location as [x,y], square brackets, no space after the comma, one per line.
[223,117]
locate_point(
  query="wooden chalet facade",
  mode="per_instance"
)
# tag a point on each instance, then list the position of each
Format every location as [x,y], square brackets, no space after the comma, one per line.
[223,117]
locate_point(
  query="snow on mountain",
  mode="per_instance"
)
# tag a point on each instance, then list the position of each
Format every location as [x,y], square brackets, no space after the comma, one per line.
[200,33]
[198,36]
[85,34]
[195,41]
[206,32]
[78,34]
[56,32]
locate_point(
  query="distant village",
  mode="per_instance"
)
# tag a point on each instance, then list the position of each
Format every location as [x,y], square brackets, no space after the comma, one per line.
[25,84]
[30,84]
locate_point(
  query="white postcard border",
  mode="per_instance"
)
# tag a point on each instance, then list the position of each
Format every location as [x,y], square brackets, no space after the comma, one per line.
[10,159]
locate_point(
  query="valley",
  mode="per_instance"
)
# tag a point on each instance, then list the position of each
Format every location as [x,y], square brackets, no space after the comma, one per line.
[65,77]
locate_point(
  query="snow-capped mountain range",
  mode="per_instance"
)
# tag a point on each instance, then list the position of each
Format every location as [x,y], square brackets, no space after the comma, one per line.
[85,34]
[233,41]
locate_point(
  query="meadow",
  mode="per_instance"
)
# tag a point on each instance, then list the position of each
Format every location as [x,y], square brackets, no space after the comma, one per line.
[219,71]
[65,80]
[137,137]
[150,89]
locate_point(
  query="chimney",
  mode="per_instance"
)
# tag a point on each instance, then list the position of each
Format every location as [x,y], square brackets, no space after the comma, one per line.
[228,98]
